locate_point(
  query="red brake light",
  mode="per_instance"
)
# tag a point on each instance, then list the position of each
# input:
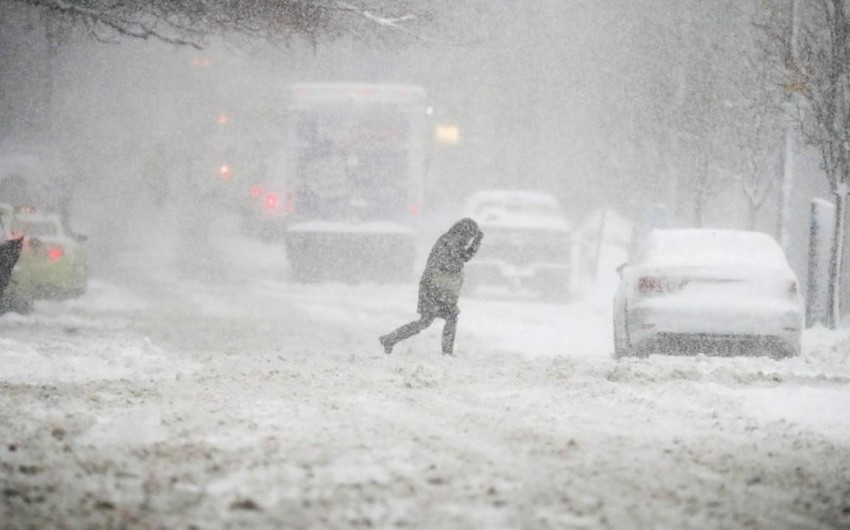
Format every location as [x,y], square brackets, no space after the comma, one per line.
[224,172]
[55,253]
[270,201]
[650,284]
[256,192]
[413,208]
[660,284]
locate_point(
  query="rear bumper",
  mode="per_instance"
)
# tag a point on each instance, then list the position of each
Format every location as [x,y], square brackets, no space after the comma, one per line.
[715,329]
[40,282]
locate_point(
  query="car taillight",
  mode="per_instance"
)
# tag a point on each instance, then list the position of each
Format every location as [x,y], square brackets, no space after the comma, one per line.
[650,285]
[255,192]
[54,253]
[270,201]
[224,172]
[660,284]
[413,208]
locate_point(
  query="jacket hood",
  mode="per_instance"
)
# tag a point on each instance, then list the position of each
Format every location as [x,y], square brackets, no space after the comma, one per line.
[466,227]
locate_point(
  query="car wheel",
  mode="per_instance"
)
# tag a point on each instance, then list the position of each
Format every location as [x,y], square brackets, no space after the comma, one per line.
[787,351]
[621,348]
[26,306]
[17,304]
[621,341]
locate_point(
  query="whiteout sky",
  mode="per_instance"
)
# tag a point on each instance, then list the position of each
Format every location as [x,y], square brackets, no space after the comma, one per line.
[603,104]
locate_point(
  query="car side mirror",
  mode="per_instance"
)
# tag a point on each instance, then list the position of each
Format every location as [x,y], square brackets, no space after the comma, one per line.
[620,268]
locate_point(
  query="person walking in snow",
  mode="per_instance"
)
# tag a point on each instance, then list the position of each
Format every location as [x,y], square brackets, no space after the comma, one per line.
[439,287]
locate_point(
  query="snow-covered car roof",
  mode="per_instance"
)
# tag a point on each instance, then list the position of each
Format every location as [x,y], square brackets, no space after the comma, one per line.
[520,208]
[39,224]
[705,247]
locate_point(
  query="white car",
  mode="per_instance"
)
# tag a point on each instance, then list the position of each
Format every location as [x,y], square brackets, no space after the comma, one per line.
[708,291]
[526,247]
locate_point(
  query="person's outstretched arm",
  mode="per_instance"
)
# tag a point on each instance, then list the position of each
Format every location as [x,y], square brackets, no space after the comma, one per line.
[473,246]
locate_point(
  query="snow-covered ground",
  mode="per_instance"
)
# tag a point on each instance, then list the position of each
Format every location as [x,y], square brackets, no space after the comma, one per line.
[195,387]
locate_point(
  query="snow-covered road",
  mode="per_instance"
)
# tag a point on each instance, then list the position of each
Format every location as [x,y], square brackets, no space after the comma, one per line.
[195,398]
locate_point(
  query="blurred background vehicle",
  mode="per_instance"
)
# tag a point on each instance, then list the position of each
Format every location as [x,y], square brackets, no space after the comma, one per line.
[708,291]
[53,264]
[267,209]
[356,170]
[36,174]
[527,244]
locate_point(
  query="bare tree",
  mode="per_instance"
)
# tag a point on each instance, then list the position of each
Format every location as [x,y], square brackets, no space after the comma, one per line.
[706,107]
[189,22]
[758,183]
[816,60]
[35,32]
[759,120]
[703,139]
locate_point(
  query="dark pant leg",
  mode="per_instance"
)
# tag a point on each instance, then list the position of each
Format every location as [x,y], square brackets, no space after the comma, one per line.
[408,330]
[449,330]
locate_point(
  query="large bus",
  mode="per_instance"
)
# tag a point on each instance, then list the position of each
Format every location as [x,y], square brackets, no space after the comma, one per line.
[356,163]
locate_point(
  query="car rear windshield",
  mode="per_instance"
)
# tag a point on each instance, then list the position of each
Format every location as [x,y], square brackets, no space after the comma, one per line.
[712,248]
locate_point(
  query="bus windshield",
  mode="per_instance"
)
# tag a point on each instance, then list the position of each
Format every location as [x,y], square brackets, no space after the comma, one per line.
[352,161]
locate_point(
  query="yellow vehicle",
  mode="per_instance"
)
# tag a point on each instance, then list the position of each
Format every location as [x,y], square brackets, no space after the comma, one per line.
[53,263]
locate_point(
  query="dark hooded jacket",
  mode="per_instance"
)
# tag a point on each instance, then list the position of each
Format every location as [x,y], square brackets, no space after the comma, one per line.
[442,279]
[10,250]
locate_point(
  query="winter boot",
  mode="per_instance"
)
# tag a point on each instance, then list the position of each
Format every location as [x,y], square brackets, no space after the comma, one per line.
[449,335]
[387,344]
